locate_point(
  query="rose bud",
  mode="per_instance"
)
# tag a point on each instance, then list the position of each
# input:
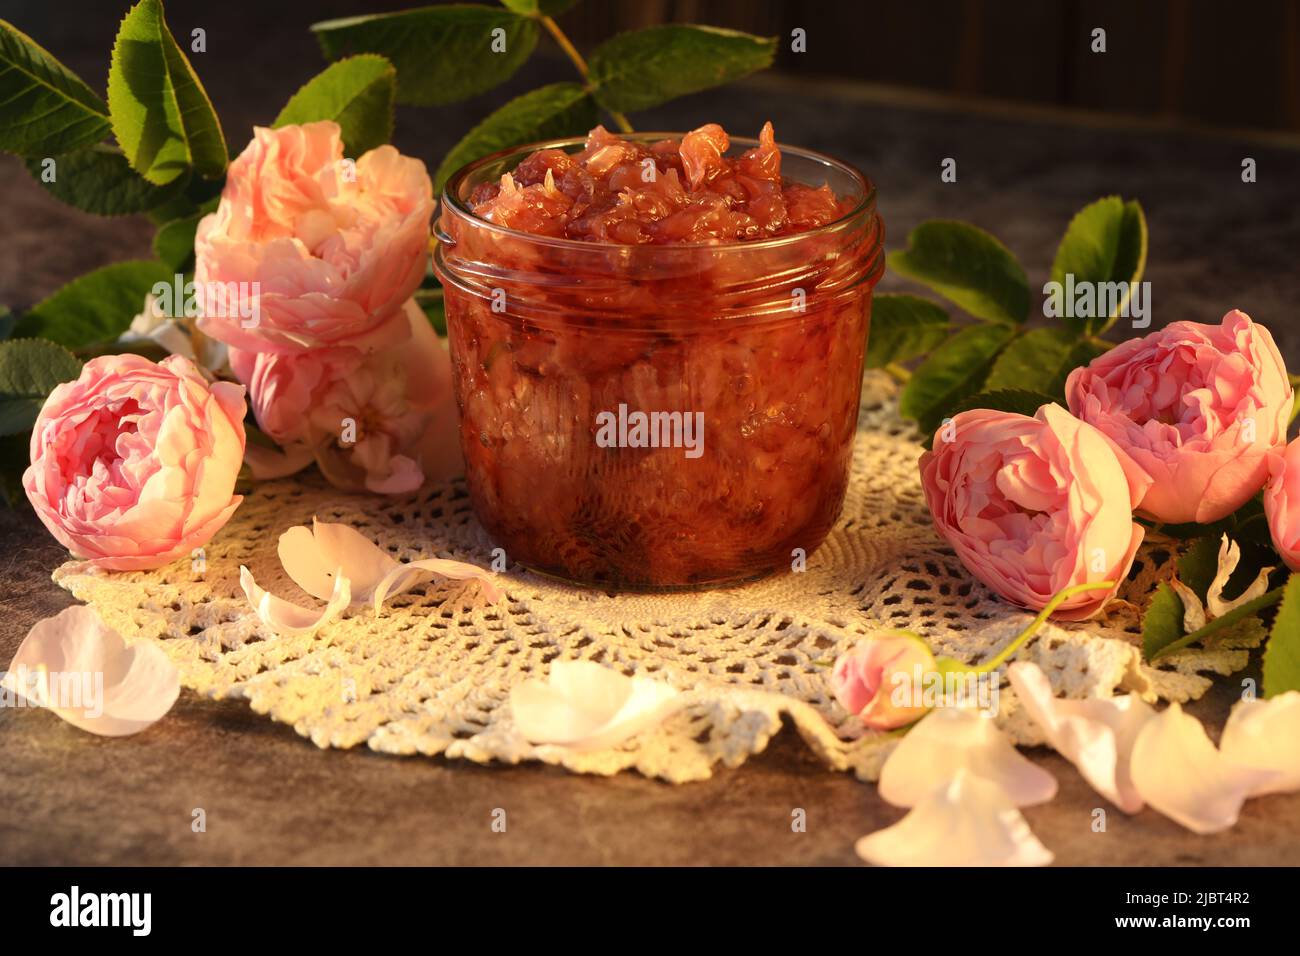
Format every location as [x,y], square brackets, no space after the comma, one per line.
[877,679]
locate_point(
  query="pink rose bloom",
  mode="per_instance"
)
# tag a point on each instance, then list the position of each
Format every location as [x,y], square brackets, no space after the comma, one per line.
[134,463]
[399,401]
[336,247]
[1197,407]
[1282,503]
[1033,506]
[877,679]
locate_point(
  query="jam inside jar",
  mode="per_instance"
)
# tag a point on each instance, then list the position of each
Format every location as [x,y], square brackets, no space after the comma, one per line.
[653,416]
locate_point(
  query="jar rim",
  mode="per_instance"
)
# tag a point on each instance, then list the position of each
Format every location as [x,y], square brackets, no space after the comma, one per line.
[451,196]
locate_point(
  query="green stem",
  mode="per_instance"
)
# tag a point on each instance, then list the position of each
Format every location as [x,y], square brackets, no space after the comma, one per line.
[1037,622]
[575,57]
[1232,617]
[898,373]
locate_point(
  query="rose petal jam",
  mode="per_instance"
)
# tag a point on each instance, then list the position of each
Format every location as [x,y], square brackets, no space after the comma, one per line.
[657,346]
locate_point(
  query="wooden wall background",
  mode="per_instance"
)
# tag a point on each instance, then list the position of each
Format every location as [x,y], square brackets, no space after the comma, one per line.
[1229,63]
[1216,62]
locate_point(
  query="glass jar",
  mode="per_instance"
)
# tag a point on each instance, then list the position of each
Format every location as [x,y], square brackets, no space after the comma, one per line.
[658,416]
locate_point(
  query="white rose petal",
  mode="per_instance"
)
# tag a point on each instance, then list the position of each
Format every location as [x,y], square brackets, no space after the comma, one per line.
[313,556]
[969,822]
[1265,735]
[1096,735]
[288,619]
[950,740]
[84,671]
[585,706]
[1179,772]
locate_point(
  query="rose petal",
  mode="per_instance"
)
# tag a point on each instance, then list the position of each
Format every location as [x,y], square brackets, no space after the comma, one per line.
[949,740]
[1229,558]
[1096,734]
[585,706]
[311,558]
[288,619]
[1193,610]
[403,577]
[119,689]
[969,822]
[1179,772]
[1263,734]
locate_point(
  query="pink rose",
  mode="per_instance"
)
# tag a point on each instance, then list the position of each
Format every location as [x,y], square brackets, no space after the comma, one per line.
[877,679]
[1033,506]
[335,247]
[1197,407]
[1282,503]
[398,401]
[134,463]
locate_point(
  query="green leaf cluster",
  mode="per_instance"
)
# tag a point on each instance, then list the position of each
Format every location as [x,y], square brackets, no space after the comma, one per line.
[443,54]
[995,360]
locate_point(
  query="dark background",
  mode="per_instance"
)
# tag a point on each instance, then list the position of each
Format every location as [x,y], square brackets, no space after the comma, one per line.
[1214,62]
[893,87]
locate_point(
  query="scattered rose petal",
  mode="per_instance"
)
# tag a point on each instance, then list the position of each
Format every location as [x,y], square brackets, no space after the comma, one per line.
[119,688]
[969,822]
[1193,609]
[406,576]
[312,556]
[1179,772]
[588,707]
[1229,558]
[1265,734]
[288,619]
[949,740]
[1096,734]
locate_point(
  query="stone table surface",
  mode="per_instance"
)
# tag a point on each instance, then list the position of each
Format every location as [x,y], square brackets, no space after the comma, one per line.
[271,797]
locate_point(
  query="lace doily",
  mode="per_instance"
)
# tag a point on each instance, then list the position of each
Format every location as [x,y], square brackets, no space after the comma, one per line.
[432,676]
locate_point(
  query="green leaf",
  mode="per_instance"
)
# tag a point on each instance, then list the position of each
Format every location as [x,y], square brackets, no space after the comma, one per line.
[1162,624]
[46,108]
[551,112]
[7,322]
[903,327]
[954,370]
[442,54]
[1198,565]
[1041,360]
[637,70]
[1282,655]
[29,370]
[545,8]
[99,180]
[1106,241]
[357,93]
[968,266]
[173,243]
[1017,400]
[97,307]
[161,115]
